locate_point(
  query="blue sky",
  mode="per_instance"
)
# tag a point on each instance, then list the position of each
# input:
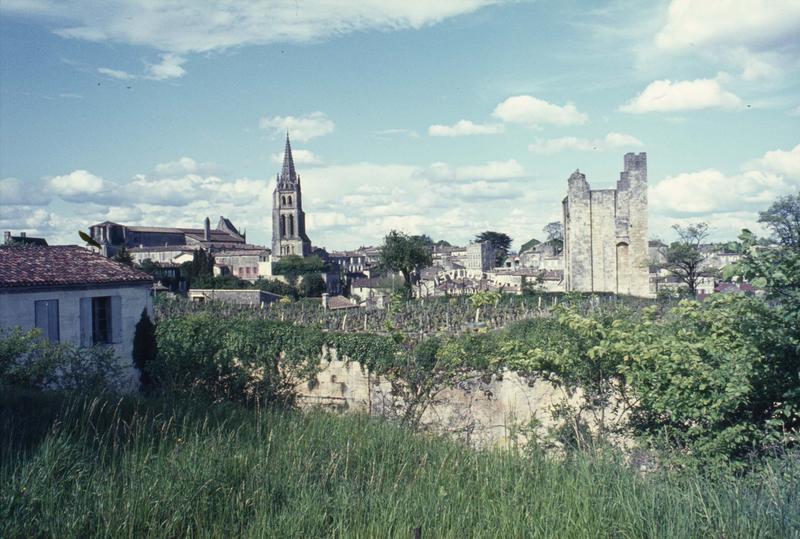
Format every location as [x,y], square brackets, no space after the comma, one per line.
[446,118]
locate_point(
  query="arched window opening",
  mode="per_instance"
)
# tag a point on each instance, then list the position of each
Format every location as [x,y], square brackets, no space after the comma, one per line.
[283,226]
[283,200]
[291,225]
[290,200]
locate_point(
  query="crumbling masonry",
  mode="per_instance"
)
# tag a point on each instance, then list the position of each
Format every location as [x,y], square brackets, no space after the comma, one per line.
[605,233]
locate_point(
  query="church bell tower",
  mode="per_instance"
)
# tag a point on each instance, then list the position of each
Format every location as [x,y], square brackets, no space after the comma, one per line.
[288,218]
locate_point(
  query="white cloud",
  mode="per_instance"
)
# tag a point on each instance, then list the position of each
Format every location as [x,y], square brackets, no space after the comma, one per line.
[301,157]
[17,192]
[706,191]
[611,140]
[301,128]
[534,112]
[76,184]
[759,24]
[185,26]
[795,111]
[668,96]
[115,73]
[493,170]
[169,68]
[758,36]
[464,127]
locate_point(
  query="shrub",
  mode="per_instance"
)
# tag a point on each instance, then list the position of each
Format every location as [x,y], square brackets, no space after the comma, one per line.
[29,361]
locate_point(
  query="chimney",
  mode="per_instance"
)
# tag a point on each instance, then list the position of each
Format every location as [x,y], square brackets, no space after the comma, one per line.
[325,300]
[207,230]
[7,237]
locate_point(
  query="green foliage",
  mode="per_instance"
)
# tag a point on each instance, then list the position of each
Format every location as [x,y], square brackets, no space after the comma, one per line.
[293,266]
[223,282]
[406,254]
[500,243]
[783,219]
[101,468]
[312,285]
[275,287]
[235,358]
[29,361]
[199,269]
[684,258]
[145,347]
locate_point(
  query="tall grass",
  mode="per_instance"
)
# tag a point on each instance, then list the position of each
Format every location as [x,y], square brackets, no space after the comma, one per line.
[132,468]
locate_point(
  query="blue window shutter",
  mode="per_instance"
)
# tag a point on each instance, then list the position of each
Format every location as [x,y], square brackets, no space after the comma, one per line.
[40,311]
[53,321]
[86,322]
[116,319]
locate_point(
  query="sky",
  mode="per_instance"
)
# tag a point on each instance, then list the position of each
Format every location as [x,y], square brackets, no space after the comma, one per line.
[444,118]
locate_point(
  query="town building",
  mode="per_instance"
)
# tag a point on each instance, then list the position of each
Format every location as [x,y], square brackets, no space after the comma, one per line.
[288,218]
[22,239]
[479,258]
[75,296]
[249,298]
[605,233]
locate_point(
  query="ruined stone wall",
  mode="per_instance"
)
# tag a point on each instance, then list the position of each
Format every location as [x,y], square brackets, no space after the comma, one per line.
[577,234]
[605,232]
[603,219]
[494,412]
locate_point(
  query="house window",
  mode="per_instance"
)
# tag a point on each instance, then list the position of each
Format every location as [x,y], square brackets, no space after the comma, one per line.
[46,314]
[101,320]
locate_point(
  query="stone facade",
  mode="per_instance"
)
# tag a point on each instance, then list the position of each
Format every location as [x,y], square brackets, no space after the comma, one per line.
[288,218]
[605,233]
[480,257]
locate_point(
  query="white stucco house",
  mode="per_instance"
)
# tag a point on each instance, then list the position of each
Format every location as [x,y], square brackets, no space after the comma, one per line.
[75,296]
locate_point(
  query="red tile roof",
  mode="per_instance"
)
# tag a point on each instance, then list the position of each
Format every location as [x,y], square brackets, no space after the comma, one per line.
[62,265]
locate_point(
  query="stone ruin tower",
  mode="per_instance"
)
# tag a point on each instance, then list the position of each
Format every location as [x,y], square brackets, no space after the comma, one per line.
[605,233]
[288,218]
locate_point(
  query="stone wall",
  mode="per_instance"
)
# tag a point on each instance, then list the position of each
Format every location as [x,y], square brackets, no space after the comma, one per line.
[605,233]
[493,411]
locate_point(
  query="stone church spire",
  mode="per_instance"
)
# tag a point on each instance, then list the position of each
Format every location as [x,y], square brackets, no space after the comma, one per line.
[288,218]
[288,173]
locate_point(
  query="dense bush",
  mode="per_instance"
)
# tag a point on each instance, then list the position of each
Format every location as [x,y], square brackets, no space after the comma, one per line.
[234,358]
[29,361]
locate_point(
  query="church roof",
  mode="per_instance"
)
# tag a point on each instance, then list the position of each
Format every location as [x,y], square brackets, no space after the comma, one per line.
[288,173]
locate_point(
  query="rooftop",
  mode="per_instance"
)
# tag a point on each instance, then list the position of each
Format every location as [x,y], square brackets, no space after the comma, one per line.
[62,265]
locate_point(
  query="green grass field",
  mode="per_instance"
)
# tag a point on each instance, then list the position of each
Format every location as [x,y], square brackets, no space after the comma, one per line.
[135,468]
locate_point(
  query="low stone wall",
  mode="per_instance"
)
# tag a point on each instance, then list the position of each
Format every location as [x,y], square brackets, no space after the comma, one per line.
[494,411]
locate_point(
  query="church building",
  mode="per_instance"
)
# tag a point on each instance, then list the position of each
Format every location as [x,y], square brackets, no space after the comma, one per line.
[288,218]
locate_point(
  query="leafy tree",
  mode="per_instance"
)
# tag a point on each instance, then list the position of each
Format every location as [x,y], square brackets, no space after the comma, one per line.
[88,239]
[294,266]
[555,235]
[783,219]
[144,347]
[312,285]
[123,256]
[201,266]
[406,254]
[499,241]
[275,287]
[529,245]
[684,258]
[442,243]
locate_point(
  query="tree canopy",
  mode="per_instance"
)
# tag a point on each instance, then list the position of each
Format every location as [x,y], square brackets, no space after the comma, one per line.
[684,258]
[555,235]
[500,242]
[406,254]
